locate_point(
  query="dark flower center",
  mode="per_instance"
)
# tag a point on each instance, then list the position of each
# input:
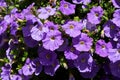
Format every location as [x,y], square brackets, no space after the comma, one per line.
[83,60]
[52,38]
[72,49]
[112,27]
[71,26]
[51,28]
[49,10]
[118,50]
[48,56]
[82,42]
[103,46]
[66,5]
[97,14]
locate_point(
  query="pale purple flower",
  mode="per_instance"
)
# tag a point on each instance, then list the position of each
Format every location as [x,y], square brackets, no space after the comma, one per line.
[42,13]
[102,48]
[95,15]
[67,8]
[71,53]
[116,3]
[38,32]
[114,54]
[82,42]
[6,70]
[52,41]
[28,68]
[15,77]
[51,11]
[51,26]
[116,17]
[73,28]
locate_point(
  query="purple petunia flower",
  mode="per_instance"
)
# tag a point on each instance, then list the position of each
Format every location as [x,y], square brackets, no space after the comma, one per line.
[46,57]
[116,3]
[36,63]
[67,8]
[102,48]
[52,41]
[84,62]
[72,28]
[110,29]
[3,3]
[95,68]
[95,15]
[114,55]
[71,53]
[115,68]
[85,2]
[45,12]
[6,70]
[38,32]
[116,19]
[15,77]
[89,26]
[28,68]
[51,69]
[51,11]
[51,26]
[82,42]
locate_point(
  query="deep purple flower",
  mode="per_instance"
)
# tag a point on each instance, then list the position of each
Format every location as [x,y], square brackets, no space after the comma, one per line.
[115,68]
[95,68]
[52,41]
[67,8]
[110,29]
[102,48]
[71,53]
[28,68]
[84,62]
[64,46]
[14,27]
[51,69]
[46,57]
[116,3]
[72,28]
[30,42]
[95,15]
[36,63]
[82,42]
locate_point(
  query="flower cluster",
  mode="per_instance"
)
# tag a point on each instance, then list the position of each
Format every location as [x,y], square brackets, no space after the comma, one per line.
[81,35]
